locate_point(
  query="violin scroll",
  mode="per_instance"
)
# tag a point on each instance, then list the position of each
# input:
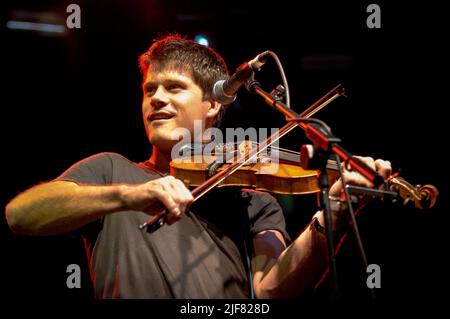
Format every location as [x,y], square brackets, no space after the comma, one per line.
[423,196]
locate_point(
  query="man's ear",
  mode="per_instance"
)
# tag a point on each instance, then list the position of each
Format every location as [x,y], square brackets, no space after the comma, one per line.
[213,109]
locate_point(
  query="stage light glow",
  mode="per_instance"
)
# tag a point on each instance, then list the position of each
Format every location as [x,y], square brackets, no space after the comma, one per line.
[201,40]
[33,26]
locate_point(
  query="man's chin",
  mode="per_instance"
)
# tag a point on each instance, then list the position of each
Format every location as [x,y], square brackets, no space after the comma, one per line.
[162,142]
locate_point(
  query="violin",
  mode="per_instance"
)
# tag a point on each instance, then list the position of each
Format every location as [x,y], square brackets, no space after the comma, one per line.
[285,176]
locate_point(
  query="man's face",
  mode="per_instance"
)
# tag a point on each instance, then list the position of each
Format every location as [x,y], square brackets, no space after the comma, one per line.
[172,100]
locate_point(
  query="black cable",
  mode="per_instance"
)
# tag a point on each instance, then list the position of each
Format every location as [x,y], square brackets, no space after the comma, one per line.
[354,224]
[283,77]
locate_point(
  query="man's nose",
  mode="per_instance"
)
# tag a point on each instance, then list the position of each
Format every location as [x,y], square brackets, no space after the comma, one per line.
[159,98]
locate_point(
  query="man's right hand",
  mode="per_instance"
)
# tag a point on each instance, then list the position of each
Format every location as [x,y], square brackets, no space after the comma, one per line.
[166,193]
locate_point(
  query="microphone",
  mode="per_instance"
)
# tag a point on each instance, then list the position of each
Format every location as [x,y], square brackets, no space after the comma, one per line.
[224,91]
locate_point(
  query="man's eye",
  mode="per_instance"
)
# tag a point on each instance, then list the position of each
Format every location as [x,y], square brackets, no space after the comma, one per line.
[174,87]
[149,91]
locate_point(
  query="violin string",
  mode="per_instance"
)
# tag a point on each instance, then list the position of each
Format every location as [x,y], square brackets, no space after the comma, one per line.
[235,151]
[270,147]
[286,150]
[333,162]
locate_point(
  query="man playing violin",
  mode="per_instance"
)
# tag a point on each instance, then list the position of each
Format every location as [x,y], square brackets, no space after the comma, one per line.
[200,253]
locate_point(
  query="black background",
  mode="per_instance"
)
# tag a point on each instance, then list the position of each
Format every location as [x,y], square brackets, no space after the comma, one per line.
[68,97]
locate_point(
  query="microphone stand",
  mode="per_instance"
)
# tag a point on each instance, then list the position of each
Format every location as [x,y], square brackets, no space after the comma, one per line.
[327,144]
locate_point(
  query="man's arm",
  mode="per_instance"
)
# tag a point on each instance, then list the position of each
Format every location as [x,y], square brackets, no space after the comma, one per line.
[60,206]
[280,272]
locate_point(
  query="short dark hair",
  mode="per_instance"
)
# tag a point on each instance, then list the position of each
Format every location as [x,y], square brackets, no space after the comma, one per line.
[204,64]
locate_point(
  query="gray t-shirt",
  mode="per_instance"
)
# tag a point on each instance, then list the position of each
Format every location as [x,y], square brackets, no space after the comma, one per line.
[200,256]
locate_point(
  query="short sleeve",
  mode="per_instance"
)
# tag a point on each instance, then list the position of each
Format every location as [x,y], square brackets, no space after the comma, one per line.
[96,169]
[265,213]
